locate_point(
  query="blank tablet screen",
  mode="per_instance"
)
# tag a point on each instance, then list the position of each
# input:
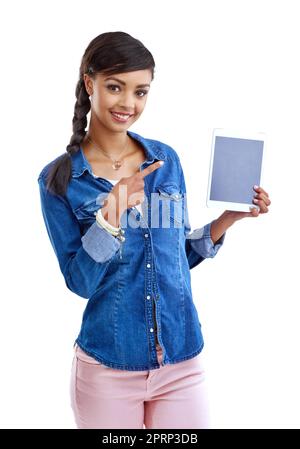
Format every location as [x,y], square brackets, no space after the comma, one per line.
[236,168]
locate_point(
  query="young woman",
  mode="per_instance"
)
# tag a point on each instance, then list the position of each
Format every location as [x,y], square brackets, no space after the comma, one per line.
[115,210]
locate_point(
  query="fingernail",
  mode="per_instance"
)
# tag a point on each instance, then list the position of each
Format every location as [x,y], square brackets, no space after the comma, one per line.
[161,162]
[255,187]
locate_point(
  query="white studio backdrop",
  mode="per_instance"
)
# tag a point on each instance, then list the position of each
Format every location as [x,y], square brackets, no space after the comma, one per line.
[218,64]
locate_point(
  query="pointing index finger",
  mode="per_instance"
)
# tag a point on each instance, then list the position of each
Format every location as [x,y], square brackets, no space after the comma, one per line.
[151,168]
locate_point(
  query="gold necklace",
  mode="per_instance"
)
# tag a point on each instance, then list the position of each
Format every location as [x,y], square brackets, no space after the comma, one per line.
[117,163]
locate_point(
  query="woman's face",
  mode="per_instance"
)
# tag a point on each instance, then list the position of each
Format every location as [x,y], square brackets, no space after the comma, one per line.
[124,93]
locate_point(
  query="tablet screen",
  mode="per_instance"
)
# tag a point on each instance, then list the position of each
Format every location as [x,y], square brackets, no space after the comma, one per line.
[236,168]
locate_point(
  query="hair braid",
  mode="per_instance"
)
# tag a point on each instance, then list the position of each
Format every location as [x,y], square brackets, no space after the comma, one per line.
[81,109]
[60,175]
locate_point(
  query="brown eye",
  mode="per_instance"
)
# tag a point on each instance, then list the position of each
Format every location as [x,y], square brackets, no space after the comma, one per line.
[112,86]
[144,92]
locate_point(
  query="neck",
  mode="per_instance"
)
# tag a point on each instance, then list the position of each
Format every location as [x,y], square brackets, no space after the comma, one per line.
[112,142]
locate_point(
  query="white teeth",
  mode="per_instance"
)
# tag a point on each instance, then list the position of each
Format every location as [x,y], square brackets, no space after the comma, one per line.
[121,115]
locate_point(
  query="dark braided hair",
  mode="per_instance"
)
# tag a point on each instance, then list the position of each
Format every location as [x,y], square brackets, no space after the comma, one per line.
[110,53]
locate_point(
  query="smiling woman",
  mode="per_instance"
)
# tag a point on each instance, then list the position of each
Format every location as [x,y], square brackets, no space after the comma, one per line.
[138,355]
[115,107]
[121,102]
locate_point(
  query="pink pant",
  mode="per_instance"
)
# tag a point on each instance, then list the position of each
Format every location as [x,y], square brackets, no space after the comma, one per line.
[170,397]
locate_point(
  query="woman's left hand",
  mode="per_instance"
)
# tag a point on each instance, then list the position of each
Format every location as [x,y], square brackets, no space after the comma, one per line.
[261,199]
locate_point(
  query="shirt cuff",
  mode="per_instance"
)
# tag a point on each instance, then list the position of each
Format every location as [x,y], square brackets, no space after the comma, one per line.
[99,243]
[202,243]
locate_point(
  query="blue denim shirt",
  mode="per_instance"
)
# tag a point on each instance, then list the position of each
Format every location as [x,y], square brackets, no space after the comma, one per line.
[140,289]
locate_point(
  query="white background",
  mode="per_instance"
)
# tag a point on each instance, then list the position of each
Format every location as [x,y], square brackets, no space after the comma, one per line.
[218,64]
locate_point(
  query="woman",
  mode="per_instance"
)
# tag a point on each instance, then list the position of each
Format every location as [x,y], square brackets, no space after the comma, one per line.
[138,358]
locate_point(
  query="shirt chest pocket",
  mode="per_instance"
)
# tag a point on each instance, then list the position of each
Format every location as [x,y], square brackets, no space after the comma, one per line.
[170,204]
[86,213]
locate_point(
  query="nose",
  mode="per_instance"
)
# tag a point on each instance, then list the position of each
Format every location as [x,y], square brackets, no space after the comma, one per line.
[127,102]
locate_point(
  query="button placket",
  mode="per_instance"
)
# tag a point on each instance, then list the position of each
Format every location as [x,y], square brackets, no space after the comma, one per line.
[156,297]
[149,288]
[148,293]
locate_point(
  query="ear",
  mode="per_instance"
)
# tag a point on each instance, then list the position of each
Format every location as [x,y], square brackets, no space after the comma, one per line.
[88,82]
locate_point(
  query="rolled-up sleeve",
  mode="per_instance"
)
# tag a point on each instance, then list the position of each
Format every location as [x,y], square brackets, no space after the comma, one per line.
[100,244]
[83,260]
[201,242]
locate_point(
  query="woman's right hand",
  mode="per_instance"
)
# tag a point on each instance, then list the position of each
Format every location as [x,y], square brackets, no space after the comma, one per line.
[126,193]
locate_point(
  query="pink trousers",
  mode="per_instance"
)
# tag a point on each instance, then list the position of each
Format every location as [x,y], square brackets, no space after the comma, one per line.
[170,397]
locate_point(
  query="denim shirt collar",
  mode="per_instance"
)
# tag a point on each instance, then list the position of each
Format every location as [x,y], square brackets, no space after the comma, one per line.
[80,164]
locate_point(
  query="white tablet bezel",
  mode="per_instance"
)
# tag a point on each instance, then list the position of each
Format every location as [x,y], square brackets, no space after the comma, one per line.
[224,132]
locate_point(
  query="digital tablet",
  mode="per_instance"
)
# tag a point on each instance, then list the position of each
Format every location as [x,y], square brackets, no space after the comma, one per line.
[235,167]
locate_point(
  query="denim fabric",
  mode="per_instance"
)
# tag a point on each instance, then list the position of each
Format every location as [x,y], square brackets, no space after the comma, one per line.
[138,285]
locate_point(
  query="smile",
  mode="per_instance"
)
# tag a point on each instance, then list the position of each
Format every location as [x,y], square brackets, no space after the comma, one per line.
[120,117]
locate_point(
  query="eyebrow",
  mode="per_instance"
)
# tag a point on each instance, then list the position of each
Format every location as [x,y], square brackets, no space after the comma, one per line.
[123,82]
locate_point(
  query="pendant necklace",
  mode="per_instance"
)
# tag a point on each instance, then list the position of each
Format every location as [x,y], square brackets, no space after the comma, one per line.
[117,163]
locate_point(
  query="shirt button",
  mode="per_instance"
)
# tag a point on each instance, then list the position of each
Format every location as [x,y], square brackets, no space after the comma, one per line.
[146,235]
[151,330]
[148,297]
[148,265]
